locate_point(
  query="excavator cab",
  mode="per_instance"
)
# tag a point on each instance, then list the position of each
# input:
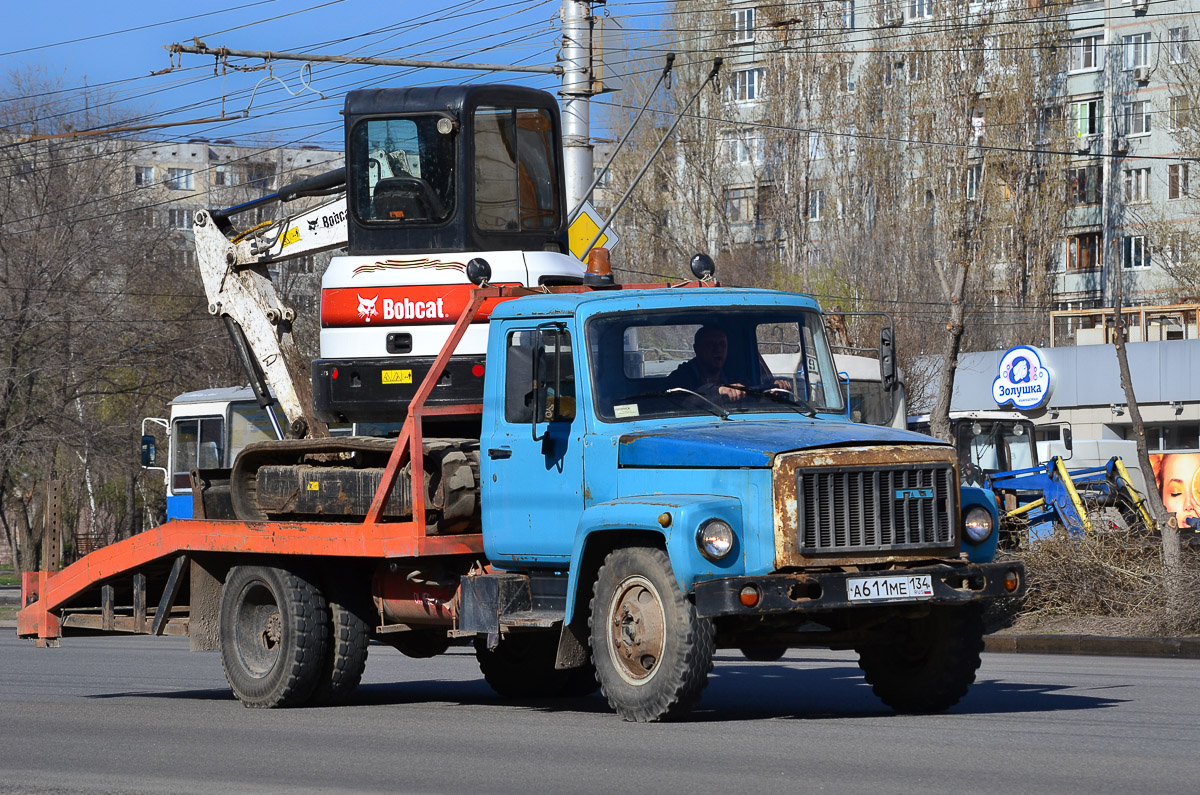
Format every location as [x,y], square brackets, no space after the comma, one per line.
[454,168]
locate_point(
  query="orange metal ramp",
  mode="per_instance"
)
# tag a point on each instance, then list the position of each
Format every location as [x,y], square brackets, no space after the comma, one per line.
[45,592]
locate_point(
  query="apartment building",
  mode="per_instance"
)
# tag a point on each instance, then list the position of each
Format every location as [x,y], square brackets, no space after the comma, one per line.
[1112,112]
[172,180]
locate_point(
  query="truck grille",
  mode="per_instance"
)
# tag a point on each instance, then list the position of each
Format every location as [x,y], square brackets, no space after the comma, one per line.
[872,509]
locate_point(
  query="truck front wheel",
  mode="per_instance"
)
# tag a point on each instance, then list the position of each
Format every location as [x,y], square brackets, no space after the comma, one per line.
[651,651]
[929,664]
[273,625]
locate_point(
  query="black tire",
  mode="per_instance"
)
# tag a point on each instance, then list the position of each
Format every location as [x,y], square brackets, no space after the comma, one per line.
[652,652]
[931,664]
[767,653]
[345,657]
[272,626]
[419,644]
[522,666]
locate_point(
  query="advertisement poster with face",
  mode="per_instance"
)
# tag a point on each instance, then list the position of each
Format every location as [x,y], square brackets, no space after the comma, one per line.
[1178,478]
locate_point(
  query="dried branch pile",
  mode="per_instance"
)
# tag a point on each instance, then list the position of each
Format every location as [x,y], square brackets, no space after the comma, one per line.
[1115,574]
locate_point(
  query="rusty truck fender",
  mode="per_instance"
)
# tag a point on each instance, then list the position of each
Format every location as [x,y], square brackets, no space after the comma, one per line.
[669,519]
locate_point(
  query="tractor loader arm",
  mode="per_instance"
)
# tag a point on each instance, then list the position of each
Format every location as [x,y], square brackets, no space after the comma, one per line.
[234,270]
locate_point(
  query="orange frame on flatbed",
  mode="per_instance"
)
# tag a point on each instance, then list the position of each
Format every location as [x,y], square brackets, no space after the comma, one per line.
[44,592]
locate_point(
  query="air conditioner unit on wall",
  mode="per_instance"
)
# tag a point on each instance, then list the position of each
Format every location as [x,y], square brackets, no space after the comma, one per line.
[1121,145]
[1141,74]
[892,17]
[1140,5]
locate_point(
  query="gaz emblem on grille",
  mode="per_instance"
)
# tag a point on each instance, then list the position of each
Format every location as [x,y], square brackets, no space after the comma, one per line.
[915,494]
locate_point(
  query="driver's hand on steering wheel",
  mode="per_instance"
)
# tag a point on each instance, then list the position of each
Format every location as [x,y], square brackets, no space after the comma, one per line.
[731,393]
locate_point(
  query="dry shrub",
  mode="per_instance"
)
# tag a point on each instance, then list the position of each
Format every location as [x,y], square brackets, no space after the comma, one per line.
[1115,574]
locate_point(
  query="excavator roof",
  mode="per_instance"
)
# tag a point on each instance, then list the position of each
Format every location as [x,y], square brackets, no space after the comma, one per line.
[452,99]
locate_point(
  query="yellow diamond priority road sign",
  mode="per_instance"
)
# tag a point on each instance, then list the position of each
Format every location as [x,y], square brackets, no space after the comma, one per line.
[584,228]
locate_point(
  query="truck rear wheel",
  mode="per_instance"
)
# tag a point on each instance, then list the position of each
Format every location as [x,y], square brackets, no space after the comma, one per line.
[522,666]
[273,626]
[932,664]
[651,651]
[345,656]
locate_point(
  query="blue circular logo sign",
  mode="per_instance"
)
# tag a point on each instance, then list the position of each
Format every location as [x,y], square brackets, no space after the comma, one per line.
[1023,381]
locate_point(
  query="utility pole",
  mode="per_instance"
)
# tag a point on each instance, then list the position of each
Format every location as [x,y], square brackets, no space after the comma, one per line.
[577,89]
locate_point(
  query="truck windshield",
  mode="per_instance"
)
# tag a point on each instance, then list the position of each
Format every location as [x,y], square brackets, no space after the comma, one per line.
[697,363]
[402,170]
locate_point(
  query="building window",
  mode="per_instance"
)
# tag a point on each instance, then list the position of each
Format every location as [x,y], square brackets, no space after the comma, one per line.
[916,66]
[1137,185]
[1177,40]
[848,14]
[1085,53]
[746,85]
[1135,50]
[180,179]
[816,146]
[260,176]
[743,25]
[1137,118]
[974,176]
[1177,180]
[920,9]
[1087,117]
[179,218]
[1085,183]
[739,205]
[846,78]
[1135,253]
[1083,251]
[223,177]
[143,176]
[746,147]
[816,204]
[765,226]
[1177,113]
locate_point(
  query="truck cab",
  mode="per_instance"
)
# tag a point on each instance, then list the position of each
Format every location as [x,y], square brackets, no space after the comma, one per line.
[626,498]
[205,429]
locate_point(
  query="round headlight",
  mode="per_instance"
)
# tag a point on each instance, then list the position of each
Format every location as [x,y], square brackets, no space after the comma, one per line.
[715,539]
[978,525]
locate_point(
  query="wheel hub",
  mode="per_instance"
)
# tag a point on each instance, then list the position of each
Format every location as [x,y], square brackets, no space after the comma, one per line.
[636,629]
[272,631]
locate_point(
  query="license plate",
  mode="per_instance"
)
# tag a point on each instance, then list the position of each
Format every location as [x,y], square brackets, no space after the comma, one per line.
[906,588]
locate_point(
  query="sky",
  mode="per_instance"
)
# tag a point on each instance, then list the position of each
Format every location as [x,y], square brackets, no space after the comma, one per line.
[116,47]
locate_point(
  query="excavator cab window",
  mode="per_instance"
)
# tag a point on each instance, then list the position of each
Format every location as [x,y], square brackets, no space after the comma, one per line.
[516,170]
[404,170]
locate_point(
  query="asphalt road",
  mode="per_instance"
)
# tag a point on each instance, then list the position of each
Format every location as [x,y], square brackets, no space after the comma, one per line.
[141,714]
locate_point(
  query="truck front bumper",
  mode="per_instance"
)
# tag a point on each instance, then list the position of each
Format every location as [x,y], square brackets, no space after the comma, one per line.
[819,592]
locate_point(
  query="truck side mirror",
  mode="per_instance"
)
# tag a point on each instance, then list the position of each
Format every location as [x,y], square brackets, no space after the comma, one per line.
[148,451]
[1066,438]
[887,359]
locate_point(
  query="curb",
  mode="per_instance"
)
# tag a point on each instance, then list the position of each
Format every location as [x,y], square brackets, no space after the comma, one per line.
[1178,648]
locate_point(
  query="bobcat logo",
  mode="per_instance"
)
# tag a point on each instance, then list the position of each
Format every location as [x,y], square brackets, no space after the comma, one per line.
[312,225]
[366,309]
